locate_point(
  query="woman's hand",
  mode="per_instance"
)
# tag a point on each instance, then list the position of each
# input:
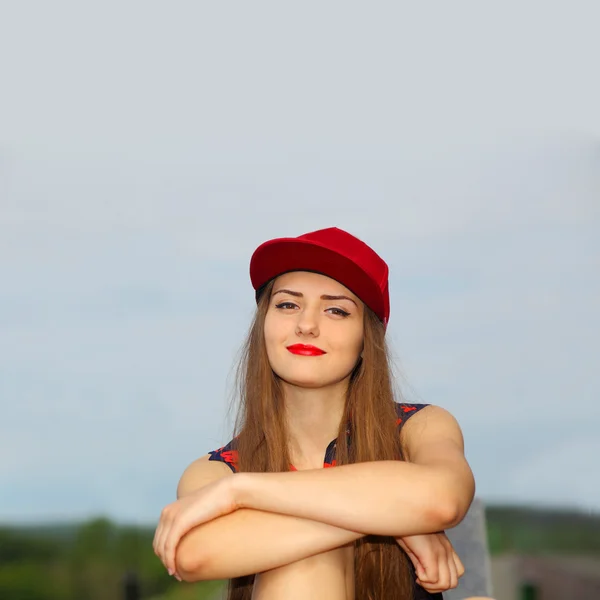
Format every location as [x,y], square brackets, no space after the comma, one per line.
[209,502]
[436,563]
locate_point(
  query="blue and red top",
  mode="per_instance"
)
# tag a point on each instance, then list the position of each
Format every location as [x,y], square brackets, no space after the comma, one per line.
[229,455]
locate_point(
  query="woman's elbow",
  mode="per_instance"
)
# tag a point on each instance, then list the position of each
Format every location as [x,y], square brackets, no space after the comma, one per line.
[188,570]
[448,514]
[438,514]
[192,564]
[452,510]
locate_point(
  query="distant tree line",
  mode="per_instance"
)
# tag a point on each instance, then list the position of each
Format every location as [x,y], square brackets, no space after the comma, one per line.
[93,560]
[90,561]
[525,530]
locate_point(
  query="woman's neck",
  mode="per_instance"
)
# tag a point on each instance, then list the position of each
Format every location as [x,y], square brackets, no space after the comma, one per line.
[313,421]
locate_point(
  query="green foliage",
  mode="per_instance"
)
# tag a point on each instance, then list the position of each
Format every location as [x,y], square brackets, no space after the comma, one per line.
[89,561]
[15,547]
[542,531]
[27,581]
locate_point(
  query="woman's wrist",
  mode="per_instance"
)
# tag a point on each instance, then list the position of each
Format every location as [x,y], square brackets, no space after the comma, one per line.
[242,489]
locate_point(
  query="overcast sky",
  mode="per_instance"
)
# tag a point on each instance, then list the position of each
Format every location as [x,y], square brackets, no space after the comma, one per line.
[147,148]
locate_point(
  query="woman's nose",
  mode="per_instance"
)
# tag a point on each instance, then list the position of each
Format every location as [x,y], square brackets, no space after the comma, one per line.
[308,322]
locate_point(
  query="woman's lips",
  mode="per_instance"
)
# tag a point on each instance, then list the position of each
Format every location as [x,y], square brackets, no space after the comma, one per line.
[305,350]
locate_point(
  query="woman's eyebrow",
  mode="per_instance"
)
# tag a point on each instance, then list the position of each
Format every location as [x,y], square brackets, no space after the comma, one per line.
[328,297]
[323,297]
[290,292]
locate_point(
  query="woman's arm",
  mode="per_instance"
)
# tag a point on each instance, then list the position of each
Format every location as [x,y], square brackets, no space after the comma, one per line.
[246,541]
[430,493]
[427,496]
[251,541]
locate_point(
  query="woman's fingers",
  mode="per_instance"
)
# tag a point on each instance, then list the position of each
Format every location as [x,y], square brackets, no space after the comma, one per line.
[420,571]
[455,567]
[444,578]
[175,528]
[430,564]
[166,538]
[170,517]
[460,568]
[163,524]
[159,535]
[437,566]
[155,540]
[447,573]
[171,542]
[453,572]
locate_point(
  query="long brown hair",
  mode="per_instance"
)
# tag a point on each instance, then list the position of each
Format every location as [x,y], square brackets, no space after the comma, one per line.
[381,567]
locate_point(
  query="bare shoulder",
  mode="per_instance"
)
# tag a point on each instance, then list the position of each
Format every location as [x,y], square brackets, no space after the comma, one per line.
[433,439]
[431,426]
[200,473]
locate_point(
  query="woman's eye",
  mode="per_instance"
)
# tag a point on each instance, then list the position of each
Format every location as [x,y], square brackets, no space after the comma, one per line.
[339,311]
[291,306]
[285,305]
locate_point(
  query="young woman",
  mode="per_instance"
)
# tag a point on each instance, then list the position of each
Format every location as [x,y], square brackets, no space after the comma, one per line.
[316,392]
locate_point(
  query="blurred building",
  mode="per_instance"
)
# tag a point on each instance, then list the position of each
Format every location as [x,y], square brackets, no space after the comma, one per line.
[516,577]
[469,539]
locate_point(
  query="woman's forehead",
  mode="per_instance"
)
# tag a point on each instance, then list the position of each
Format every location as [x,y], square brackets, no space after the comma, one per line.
[309,282]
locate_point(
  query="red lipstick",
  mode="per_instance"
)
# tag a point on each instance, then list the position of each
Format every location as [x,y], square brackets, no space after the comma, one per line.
[305,350]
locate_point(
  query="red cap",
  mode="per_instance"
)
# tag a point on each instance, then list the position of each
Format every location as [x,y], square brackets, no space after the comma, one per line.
[332,252]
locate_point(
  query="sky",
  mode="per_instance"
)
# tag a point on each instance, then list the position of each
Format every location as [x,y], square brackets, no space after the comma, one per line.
[147,148]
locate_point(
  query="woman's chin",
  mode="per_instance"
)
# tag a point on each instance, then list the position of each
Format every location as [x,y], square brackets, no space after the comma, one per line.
[310,382]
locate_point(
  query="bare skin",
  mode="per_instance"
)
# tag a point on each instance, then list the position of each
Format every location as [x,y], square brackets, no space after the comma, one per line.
[326,576]
[281,527]
[313,418]
[254,541]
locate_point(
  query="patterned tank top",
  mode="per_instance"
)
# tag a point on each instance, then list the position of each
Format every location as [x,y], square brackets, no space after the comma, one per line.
[229,455]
